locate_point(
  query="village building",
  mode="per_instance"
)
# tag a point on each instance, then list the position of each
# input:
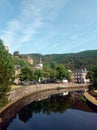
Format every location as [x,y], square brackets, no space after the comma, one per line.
[17,72]
[80,76]
[39,66]
[17,69]
[6,48]
[28,59]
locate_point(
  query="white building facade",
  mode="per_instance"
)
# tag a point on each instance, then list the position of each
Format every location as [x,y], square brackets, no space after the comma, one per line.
[80,76]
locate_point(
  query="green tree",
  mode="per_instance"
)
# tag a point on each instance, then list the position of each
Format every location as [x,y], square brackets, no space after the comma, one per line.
[6,70]
[26,74]
[38,74]
[16,53]
[47,70]
[62,72]
[19,61]
[95,76]
[90,75]
[53,74]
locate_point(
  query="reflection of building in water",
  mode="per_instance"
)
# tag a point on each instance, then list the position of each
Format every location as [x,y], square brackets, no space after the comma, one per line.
[65,93]
[77,103]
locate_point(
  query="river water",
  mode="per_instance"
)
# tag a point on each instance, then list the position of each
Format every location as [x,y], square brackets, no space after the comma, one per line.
[58,112]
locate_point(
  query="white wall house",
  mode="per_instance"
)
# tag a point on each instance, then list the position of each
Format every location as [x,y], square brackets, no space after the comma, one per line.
[79,76]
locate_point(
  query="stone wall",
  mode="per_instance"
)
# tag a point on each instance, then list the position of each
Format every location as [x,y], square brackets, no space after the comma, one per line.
[26,90]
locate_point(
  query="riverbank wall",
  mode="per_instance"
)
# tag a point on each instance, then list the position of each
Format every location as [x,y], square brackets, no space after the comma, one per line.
[23,91]
[91,100]
[22,96]
[15,107]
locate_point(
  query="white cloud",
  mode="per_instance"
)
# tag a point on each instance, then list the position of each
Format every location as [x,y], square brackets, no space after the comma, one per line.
[33,14]
[43,9]
[18,32]
[36,24]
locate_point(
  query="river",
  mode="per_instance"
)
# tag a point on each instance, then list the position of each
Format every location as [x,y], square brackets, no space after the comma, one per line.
[58,112]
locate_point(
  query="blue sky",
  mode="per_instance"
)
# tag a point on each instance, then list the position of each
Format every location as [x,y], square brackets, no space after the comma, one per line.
[48,26]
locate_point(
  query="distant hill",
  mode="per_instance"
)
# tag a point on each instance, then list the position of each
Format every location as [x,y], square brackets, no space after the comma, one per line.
[85,59]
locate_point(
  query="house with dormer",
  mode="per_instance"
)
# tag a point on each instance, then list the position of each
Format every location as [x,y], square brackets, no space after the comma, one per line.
[80,76]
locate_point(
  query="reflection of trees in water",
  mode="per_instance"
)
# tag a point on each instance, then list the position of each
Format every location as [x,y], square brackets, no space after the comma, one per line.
[53,104]
[5,127]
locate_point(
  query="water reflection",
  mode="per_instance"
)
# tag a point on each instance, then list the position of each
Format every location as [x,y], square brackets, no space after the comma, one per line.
[53,104]
[57,111]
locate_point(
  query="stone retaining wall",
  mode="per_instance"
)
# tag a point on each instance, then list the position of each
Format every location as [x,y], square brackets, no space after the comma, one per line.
[26,90]
[23,91]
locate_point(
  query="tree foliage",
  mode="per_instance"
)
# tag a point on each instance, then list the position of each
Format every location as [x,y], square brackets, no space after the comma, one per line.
[85,59]
[94,75]
[6,70]
[16,53]
[38,74]
[58,71]
[52,74]
[19,61]
[54,104]
[62,72]
[26,74]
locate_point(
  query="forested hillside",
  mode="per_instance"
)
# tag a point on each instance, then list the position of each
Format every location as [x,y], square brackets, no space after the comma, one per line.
[85,59]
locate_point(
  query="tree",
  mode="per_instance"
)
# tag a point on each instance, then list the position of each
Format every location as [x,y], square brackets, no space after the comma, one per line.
[53,74]
[94,76]
[19,61]
[26,74]
[6,70]
[62,72]
[16,53]
[47,70]
[90,75]
[38,74]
